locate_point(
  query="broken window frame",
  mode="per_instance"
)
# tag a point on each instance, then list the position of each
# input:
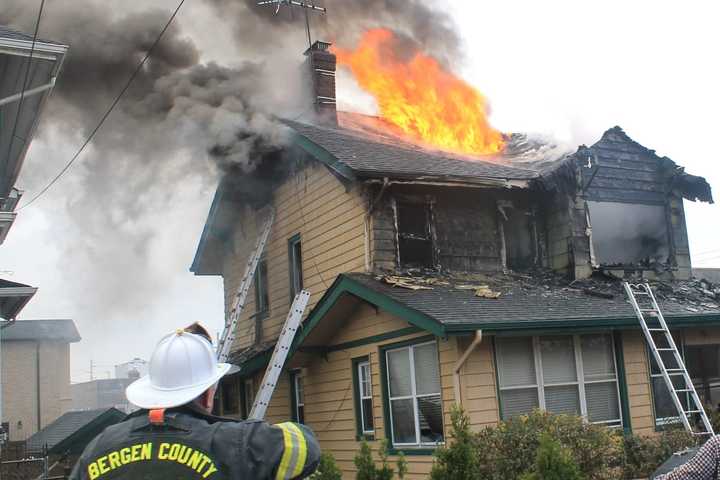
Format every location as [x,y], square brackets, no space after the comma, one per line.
[295,266]
[597,260]
[429,236]
[230,396]
[502,217]
[248,397]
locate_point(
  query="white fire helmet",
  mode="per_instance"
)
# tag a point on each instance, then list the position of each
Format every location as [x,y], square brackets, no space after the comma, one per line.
[181,368]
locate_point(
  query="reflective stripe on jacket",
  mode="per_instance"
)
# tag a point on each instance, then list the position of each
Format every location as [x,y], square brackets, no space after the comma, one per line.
[192,445]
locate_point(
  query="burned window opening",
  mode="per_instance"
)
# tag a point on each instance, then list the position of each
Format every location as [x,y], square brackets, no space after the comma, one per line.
[625,234]
[413,223]
[518,237]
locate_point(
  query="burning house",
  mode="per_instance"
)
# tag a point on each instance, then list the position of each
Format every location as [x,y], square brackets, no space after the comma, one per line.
[487,277]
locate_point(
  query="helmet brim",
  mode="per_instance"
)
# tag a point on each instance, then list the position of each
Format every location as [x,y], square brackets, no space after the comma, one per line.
[144,394]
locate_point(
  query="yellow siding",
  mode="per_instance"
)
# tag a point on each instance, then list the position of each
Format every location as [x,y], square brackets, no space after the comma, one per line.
[638,383]
[478,388]
[330,220]
[329,406]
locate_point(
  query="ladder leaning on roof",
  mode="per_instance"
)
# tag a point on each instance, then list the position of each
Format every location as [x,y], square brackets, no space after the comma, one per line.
[277,361]
[229,332]
[671,365]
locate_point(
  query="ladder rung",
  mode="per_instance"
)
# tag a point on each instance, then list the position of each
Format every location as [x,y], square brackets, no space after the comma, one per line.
[675,374]
[700,433]
[666,349]
[683,390]
[692,411]
[657,330]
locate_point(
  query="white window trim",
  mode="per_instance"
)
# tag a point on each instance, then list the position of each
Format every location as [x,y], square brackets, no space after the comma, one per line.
[296,377]
[249,393]
[360,366]
[413,396]
[580,378]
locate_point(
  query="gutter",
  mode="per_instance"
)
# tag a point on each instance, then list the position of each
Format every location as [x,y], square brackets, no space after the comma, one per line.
[461,362]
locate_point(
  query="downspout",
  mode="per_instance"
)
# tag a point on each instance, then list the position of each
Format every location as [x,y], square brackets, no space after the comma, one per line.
[458,366]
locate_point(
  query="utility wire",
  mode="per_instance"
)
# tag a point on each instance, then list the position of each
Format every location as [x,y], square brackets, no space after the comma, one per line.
[24,86]
[109,110]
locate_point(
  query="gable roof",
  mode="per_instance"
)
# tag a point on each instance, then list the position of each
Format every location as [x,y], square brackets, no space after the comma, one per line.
[58,330]
[72,431]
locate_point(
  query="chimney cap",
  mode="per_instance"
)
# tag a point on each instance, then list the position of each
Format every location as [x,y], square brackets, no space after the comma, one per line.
[318,46]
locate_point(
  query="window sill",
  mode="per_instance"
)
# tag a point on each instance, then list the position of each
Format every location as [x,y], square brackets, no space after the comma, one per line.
[412,451]
[368,437]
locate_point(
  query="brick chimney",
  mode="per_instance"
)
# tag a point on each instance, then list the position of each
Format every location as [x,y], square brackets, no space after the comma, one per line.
[322,63]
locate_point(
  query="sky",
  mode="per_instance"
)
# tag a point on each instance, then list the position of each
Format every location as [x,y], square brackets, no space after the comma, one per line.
[570,70]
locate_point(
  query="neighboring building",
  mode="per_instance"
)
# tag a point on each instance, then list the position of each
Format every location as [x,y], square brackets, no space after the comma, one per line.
[35,374]
[418,259]
[73,430]
[135,368]
[101,393]
[20,108]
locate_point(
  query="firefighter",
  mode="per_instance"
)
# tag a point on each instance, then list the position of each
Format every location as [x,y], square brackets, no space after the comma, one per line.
[174,436]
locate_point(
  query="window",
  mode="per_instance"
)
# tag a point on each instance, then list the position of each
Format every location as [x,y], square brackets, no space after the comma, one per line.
[297,393]
[295,260]
[248,397]
[415,243]
[230,396]
[702,362]
[561,374]
[262,299]
[415,406]
[362,381]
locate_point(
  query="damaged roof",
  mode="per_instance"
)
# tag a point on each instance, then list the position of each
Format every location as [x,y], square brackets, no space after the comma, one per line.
[524,301]
[366,147]
[363,144]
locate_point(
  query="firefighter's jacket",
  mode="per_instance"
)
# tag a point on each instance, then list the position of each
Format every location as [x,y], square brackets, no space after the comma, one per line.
[185,443]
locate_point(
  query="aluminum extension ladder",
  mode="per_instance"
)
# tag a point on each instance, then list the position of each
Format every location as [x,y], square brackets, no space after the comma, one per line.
[277,361]
[229,332]
[645,305]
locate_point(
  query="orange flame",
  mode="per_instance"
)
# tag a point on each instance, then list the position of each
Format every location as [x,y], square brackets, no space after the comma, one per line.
[418,96]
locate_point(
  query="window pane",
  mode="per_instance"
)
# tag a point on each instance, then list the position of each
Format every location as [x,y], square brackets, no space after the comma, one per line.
[430,417]
[602,402]
[516,364]
[664,406]
[403,421]
[368,420]
[399,372]
[518,402]
[597,355]
[558,359]
[427,373]
[563,399]
[365,385]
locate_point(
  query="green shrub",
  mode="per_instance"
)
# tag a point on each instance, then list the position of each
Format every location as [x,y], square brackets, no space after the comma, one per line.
[642,455]
[366,469]
[509,450]
[328,469]
[459,460]
[553,462]
[402,466]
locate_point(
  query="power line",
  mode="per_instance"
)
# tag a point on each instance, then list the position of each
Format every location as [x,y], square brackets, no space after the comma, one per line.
[24,87]
[109,110]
